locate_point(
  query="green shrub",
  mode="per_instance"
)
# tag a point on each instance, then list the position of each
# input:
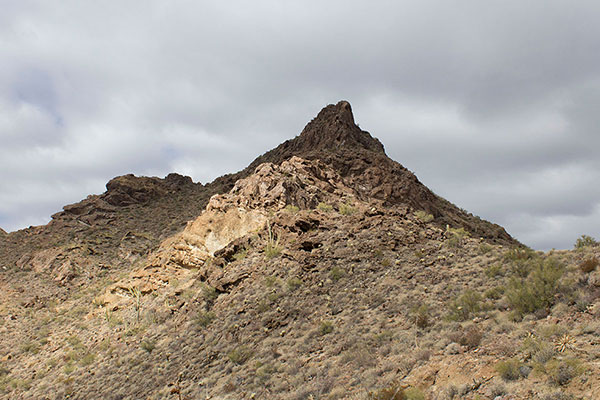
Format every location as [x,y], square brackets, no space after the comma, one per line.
[536,291]
[465,305]
[494,293]
[493,271]
[561,372]
[414,394]
[325,207]
[293,284]
[423,216]
[347,209]
[336,273]
[272,249]
[204,318]
[87,359]
[509,370]
[455,236]
[209,293]
[325,328]
[291,209]
[420,315]
[484,248]
[585,241]
[240,355]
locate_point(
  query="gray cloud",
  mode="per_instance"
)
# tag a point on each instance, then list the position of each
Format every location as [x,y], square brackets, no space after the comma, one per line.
[492,105]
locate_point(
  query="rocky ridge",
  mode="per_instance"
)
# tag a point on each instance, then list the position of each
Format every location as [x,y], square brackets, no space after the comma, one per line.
[303,276]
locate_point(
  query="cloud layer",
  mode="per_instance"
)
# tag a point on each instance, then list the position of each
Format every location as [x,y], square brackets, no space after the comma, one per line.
[491,104]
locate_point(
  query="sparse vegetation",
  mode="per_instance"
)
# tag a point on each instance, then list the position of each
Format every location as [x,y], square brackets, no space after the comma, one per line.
[509,370]
[585,241]
[272,249]
[325,207]
[148,345]
[420,315]
[423,216]
[455,236]
[293,284]
[465,306]
[336,273]
[204,318]
[240,355]
[325,327]
[347,209]
[537,288]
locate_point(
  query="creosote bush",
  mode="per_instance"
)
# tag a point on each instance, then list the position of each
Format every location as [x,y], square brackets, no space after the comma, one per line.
[420,316]
[326,327]
[240,355]
[465,306]
[347,209]
[423,216]
[509,370]
[536,290]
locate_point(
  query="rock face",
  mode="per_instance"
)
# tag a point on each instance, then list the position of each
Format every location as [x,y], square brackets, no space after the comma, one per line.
[228,217]
[333,138]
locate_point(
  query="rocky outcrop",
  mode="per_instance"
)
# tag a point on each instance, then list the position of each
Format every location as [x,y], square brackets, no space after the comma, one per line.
[334,138]
[228,217]
[129,189]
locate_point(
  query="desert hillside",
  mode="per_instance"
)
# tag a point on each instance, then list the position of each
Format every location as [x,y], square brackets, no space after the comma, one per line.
[324,270]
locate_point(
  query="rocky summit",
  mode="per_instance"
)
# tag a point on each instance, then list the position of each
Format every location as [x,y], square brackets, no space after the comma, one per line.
[323,270]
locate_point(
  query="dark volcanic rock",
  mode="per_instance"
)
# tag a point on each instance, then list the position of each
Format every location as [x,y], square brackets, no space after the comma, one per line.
[129,189]
[360,159]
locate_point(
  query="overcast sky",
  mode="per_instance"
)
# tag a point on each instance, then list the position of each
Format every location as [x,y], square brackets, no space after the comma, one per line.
[494,105]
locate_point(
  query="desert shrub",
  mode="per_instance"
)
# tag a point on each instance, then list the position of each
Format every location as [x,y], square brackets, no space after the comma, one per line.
[209,293]
[589,264]
[291,208]
[471,338]
[325,207]
[347,209]
[420,315]
[204,318]
[561,372]
[535,291]
[455,236]
[494,293]
[484,248]
[391,392]
[585,241]
[509,370]
[414,394]
[336,273]
[272,249]
[423,216]
[519,254]
[293,284]
[87,359]
[465,305]
[240,355]
[493,271]
[326,327]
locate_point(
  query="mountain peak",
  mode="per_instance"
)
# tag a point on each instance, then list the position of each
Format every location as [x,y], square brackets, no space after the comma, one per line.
[334,128]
